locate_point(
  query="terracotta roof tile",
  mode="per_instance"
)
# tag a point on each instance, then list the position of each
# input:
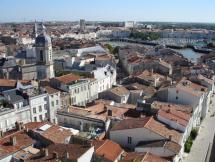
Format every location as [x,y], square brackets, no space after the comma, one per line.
[34,125]
[164,130]
[167,144]
[74,151]
[55,134]
[120,91]
[149,75]
[22,141]
[97,108]
[7,83]
[104,57]
[68,78]
[107,149]
[51,90]
[142,157]
[192,88]
[185,111]
[152,158]
[174,116]
[11,83]
[131,123]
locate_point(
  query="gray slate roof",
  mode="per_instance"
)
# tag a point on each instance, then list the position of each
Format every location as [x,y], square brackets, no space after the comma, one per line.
[14,96]
[7,63]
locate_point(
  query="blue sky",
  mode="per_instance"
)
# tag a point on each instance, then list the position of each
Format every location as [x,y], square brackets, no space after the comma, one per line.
[108,10]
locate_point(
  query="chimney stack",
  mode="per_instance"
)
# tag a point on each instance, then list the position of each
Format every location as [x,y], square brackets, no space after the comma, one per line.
[55,155]
[109,112]
[13,140]
[18,126]
[46,151]
[26,130]
[66,155]
[170,138]
[1,134]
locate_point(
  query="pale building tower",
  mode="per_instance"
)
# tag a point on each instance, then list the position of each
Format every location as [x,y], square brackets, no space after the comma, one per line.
[35,30]
[82,25]
[44,60]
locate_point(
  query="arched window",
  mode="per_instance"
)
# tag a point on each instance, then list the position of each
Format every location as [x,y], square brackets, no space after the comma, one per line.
[41,55]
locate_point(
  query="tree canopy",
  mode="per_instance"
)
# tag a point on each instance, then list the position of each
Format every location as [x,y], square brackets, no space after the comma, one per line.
[145,36]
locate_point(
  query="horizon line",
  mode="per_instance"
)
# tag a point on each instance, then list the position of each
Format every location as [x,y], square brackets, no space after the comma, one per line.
[111,21]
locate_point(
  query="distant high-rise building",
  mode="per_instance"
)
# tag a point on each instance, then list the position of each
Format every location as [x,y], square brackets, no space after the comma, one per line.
[82,25]
[129,24]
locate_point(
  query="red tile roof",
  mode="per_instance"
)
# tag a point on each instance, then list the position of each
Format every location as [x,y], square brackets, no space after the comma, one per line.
[167,144]
[163,130]
[120,91]
[11,83]
[96,108]
[104,57]
[151,124]
[68,78]
[51,90]
[192,88]
[150,75]
[22,141]
[55,134]
[33,125]
[7,83]
[74,151]
[107,149]
[174,116]
[173,112]
[131,123]
[185,111]
[142,157]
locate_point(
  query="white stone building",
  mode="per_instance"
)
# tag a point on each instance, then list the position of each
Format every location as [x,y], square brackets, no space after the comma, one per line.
[81,119]
[81,91]
[130,133]
[80,52]
[19,112]
[53,103]
[39,108]
[29,104]
[106,77]
[188,93]
[7,119]
[129,24]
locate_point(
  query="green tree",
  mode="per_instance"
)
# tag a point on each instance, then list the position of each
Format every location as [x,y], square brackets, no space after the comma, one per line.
[145,36]
[112,50]
[210,45]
